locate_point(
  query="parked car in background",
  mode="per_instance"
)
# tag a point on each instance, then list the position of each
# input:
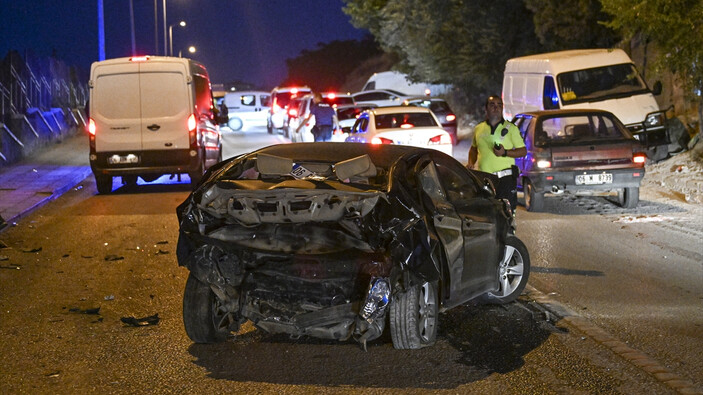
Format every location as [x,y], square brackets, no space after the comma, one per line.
[337,99]
[440,108]
[300,113]
[346,117]
[338,241]
[280,98]
[401,125]
[380,97]
[587,152]
[247,109]
[150,116]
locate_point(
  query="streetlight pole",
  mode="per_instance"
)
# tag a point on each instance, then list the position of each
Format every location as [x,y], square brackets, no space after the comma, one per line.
[170,35]
[165,38]
[156,27]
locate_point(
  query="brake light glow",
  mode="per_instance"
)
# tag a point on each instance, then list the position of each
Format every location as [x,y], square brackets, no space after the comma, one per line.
[191,123]
[543,164]
[91,126]
[440,139]
[451,117]
[381,140]
[294,91]
[292,112]
[639,158]
[138,58]
[331,96]
[406,125]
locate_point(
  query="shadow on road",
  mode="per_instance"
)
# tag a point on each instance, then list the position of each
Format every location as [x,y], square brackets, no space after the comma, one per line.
[473,343]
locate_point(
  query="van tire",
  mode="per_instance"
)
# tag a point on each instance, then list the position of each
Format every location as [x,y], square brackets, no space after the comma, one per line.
[197,175]
[103,184]
[534,201]
[628,197]
[235,123]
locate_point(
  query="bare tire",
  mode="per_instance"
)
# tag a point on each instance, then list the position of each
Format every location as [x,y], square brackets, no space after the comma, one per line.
[203,316]
[413,317]
[513,272]
[629,197]
[103,184]
[534,201]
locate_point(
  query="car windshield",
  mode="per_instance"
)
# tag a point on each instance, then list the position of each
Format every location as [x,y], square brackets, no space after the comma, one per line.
[600,83]
[577,128]
[404,120]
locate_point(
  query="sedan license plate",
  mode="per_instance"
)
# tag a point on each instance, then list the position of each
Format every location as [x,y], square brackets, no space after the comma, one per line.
[594,179]
[122,159]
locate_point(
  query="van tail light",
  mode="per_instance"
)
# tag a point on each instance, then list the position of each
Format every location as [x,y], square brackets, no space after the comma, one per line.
[91,126]
[292,112]
[138,58]
[191,123]
[451,117]
[381,140]
[639,158]
[440,139]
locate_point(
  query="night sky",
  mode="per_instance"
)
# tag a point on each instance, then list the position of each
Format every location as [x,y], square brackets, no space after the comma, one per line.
[246,40]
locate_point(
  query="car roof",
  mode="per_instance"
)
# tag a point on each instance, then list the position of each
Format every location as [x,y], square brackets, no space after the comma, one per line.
[380,90]
[565,112]
[399,109]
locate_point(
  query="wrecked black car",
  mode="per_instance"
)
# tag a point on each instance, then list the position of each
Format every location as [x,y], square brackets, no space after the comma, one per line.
[340,240]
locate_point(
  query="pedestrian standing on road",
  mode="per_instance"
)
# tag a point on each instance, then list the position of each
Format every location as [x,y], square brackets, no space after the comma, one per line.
[325,119]
[495,145]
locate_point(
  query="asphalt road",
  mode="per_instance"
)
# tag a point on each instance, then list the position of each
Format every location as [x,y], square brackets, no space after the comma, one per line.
[628,291]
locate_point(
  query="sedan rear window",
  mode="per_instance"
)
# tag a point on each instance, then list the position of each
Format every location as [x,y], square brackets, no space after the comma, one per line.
[401,120]
[579,128]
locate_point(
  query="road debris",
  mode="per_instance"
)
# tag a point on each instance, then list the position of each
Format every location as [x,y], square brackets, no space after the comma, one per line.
[144,321]
[112,257]
[92,311]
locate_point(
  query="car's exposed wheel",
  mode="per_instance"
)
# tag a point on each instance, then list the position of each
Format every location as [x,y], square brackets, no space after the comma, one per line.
[513,272]
[413,317]
[203,316]
[629,197]
[534,201]
[103,183]
[235,123]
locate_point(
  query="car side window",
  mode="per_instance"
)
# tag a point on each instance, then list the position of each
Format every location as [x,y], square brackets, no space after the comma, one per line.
[458,184]
[265,100]
[361,124]
[203,95]
[524,126]
[248,100]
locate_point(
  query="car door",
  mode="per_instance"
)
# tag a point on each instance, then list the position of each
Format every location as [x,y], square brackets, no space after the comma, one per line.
[478,216]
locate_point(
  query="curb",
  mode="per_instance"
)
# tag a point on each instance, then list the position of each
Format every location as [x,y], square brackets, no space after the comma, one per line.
[634,356]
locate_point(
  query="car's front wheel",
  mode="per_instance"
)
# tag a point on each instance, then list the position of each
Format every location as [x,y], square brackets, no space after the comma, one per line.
[413,317]
[204,317]
[513,272]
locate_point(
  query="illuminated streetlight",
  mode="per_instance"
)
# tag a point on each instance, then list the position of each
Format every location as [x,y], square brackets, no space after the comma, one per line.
[170,35]
[191,49]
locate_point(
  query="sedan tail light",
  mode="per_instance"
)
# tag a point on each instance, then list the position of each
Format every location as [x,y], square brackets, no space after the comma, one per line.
[381,140]
[440,139]
[639,158]
[451,117]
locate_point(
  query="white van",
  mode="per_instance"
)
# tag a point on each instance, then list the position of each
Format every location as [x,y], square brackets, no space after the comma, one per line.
[247,109]
[601,79]
[397,81]
[150,116]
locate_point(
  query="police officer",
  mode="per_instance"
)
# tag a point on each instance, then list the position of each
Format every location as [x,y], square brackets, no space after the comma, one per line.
[325,118]
[495,145]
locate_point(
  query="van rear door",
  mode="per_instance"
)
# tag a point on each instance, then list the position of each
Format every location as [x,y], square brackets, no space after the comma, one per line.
[115,107]
[166,103]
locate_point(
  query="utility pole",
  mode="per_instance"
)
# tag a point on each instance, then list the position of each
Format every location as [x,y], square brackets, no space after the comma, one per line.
[101,31]
[131,21]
